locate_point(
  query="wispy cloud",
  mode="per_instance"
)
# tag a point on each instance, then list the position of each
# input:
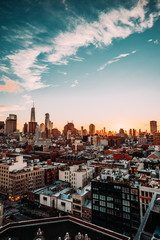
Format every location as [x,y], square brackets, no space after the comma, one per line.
[75,83]
[3,68]
[64,73]
[77,59]
[25,66]
[9,86]
[65,4]
[153,41]
[116,59]
[106,64]
[9,108]
[116,24]
[122,55]
[156,42]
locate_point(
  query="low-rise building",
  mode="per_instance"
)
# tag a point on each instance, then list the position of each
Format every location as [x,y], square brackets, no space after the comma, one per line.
[77,176]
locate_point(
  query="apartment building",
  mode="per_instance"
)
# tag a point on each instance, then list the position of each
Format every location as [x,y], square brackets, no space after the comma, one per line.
[77,176]
[16,178]
[79,200]
[145,194]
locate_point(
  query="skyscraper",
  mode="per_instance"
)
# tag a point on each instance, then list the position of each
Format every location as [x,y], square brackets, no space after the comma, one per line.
[47,125]
[11,123]
[153,127]
[91,129]
[32,123]
[33,118]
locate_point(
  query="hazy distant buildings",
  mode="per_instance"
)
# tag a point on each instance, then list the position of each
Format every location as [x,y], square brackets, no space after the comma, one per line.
[11,124]
[69,126]
[91,129]
[153,127]
[42,127]
[1,125]
[156,138]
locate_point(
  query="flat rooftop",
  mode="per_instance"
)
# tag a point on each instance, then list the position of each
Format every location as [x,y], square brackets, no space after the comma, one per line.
[57,227]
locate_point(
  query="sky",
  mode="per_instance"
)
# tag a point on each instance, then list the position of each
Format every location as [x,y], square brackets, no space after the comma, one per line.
[84,61]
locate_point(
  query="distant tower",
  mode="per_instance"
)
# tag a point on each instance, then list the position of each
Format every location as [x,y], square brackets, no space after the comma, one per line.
[25,128]
[11,123]
[153,127]
[47,121]
[91,129]
[32,123]
[33,118]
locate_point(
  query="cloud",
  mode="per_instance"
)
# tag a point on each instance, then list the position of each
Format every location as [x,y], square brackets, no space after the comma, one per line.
[77,59]
[106,64]
[64,73]
[150,40]
[10,85]
[116,59]
[156,42]
[10,108]
[3,68]
[117,24]
[25,66]
[122,55]
[65,4]
[75,83]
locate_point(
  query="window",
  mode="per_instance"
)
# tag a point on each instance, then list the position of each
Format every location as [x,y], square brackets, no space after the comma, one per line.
[110,211]
[109,205]
[102,209]
[95,207]
[109,198]
[94,188]
[101,203]
[95,195]
[126,209]
[95,201]
[126,203]
[101,197]
[126,190]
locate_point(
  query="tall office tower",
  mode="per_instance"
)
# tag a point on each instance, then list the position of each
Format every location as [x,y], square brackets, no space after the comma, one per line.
[11,123]
[130,132]
[50,125]
[153,127]
[134,133]
[47,125]
[33,118]
[32,123]
[81,130]
[25,127]
[42,127]
[91,129]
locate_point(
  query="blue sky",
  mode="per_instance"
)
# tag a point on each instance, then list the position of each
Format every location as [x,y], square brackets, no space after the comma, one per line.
[86,61]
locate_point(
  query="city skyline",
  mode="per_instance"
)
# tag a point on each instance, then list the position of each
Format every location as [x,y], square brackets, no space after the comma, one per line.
[85,62]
